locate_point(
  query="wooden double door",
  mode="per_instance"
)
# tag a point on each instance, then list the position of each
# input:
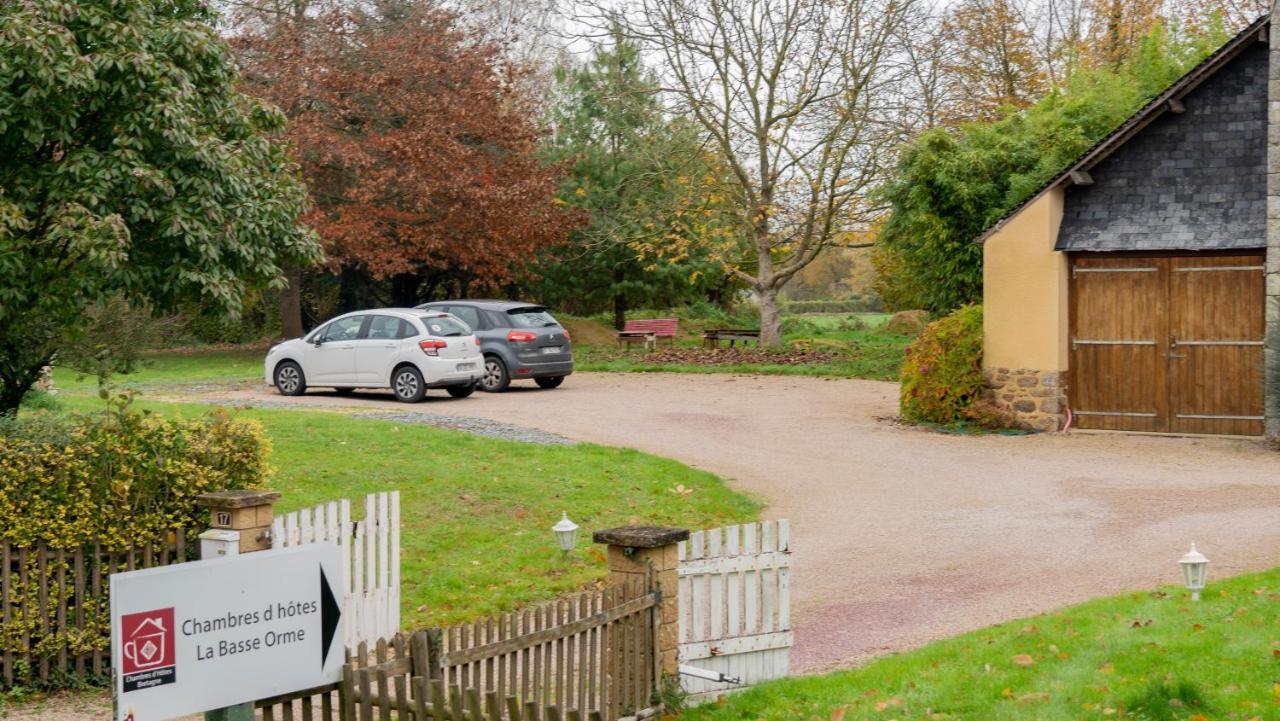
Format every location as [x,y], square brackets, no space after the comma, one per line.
[1170,344]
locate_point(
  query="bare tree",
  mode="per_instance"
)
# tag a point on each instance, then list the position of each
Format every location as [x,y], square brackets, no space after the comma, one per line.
[797,96]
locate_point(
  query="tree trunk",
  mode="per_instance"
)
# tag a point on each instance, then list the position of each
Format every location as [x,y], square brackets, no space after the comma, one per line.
[619,298]
[18,378]
[291,302]
[770,319]
[619,310]
[404,290]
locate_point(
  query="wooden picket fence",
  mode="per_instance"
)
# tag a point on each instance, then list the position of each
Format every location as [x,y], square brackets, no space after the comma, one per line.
[370,557]
[54,610]
[583,656]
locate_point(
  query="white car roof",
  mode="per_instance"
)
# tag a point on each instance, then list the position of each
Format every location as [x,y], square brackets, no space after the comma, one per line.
[407,313]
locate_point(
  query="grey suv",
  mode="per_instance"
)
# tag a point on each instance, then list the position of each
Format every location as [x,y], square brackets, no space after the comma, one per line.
[518,340]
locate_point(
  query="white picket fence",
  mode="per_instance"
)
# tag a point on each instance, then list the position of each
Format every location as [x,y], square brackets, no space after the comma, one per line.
[370,557]
[735,605]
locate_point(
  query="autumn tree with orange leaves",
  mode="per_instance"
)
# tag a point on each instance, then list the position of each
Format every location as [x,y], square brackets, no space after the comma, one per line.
[418,147]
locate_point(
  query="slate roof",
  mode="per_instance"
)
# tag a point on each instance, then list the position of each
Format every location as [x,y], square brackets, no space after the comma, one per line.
[1159,205]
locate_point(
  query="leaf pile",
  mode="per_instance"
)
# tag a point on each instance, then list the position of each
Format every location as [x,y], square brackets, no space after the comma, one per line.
[732,356]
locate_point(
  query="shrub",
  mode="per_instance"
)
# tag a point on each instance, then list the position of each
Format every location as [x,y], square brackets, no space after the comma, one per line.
[868,303]
[120,477]
[942,373]
[108,482]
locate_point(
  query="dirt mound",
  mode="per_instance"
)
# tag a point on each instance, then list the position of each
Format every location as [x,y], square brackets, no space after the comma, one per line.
[907,322]
[588,332]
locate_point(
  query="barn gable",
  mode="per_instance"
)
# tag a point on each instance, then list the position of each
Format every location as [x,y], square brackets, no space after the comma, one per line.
[1193,180]
[1139,289]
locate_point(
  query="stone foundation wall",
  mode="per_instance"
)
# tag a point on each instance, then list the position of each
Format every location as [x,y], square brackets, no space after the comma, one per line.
[1036,399]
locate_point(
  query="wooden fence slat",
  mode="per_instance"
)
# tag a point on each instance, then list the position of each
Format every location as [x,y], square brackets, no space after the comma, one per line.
[5,552]
[42,568]
[62,610]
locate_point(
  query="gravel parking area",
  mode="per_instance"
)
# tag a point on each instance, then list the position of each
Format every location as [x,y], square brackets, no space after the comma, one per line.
[467,424]
[901,535]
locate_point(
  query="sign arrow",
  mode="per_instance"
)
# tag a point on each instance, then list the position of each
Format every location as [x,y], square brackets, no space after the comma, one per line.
[330,616]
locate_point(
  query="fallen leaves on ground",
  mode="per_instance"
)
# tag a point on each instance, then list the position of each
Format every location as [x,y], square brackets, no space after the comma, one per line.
[725,356]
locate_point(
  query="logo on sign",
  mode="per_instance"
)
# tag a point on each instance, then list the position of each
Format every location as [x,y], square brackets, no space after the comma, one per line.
[148,649]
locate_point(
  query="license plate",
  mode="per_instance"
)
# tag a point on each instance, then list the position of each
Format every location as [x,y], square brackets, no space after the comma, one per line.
[466,366]
[551,349]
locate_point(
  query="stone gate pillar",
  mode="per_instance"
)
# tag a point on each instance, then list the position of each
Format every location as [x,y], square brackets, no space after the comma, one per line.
[635,551]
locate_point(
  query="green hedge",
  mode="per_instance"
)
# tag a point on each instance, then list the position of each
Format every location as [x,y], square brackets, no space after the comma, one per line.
[863,304]
[942,374]
[105,482]
[119,477]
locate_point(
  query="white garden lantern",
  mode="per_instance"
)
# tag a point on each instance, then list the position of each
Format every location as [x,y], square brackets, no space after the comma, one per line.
[1195,567]
[566,533]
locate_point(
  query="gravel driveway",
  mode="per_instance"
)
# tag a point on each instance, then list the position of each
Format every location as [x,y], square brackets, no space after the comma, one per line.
[902,536]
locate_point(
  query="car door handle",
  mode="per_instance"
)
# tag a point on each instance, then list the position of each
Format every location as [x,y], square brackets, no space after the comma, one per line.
[388,345]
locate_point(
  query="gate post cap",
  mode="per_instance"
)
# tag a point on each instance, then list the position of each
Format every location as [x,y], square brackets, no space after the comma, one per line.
[641,536]
[239,498]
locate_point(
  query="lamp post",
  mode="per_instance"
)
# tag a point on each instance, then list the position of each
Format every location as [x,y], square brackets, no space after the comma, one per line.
[1194,569]
[566,533]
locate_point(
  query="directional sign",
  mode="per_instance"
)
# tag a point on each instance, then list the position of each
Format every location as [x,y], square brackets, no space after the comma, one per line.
[209,634]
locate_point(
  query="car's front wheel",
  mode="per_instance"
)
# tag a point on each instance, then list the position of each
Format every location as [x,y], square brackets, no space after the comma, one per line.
[461,391]
[495,378]
[407,385]
[549,383]
[289,379]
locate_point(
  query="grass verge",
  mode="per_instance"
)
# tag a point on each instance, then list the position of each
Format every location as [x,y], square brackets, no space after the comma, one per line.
[1150,656]
[476,513]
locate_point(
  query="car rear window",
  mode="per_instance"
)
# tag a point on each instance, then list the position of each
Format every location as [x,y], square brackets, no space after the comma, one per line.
[442,326]
[531,318]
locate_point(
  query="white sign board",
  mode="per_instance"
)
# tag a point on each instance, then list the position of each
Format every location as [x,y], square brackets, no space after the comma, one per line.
[204,635]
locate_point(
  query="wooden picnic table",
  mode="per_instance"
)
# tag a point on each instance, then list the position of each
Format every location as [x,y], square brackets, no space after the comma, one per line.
[712,336]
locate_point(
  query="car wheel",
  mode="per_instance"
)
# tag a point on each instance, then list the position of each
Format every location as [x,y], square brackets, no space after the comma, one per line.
[549,383]
[495,378]
[408,385]
[289,379]
[461,391]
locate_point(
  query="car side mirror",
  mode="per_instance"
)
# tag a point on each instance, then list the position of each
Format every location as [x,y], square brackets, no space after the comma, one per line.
[319,342]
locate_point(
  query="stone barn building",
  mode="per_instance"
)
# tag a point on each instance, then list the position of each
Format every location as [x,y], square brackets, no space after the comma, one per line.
[1139,289]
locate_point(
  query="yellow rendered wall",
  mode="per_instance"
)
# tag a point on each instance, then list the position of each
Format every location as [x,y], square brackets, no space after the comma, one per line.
[1024,290]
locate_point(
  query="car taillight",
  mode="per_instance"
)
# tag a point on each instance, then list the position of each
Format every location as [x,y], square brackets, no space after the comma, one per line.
[521,336]
[567,337]
[432,347]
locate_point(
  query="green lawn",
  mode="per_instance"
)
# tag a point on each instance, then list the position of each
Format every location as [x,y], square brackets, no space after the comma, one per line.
[859,346]
[175,368]
[476,513]
[1151,656]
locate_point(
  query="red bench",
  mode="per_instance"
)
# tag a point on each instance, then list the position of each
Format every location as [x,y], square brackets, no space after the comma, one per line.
[648,332]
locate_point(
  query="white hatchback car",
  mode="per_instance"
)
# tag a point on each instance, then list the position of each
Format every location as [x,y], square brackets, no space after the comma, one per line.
[407,351]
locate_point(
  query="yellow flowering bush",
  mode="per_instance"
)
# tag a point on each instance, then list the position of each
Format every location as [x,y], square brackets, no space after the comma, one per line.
[121,478]
[106,483]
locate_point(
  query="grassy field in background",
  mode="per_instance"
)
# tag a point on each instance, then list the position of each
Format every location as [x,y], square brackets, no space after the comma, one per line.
[859,346]
[170,368]
[476,513]
[1149,656]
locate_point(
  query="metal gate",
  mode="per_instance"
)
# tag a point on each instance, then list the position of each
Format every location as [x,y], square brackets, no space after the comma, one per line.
[735,607]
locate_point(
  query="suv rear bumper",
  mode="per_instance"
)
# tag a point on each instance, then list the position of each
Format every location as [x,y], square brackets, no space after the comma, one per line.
[542,370]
